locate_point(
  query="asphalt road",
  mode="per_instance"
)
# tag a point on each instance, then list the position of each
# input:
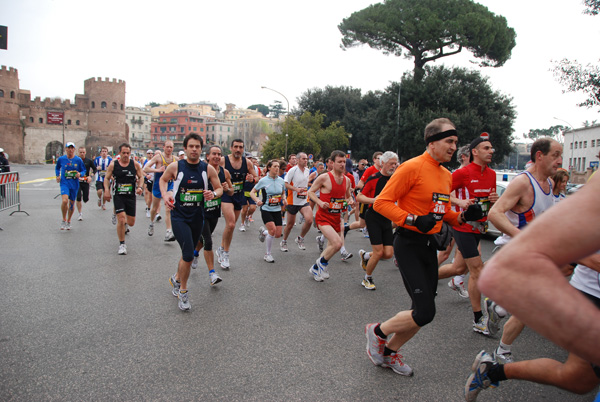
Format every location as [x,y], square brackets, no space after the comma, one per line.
[81,323]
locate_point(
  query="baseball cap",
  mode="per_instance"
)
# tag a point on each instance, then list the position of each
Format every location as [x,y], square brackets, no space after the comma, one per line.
[181,153]
[149,151]
[1,149]
[70,144]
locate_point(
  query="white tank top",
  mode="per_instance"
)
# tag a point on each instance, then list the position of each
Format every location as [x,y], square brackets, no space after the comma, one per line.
[541,202]
[587,280]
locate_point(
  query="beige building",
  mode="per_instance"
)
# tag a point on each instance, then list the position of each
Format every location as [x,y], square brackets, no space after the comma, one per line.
[139,120]
[581,149]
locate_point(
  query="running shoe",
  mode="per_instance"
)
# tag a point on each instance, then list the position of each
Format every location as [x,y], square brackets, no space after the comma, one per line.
[80,217]
[247,221]
[458,288]
[365,232]
[283,246]
[176,285]
[225,260]
[261,234]
[195,262]
[214,278]
[363,262]
[300,242]
[368,284]
[157,218]
[242,228]
[481,326]
[169,236]
[479,379]
[68,227]
[219,254]
[103,207]
[122,249]
[394,361]
[113,219]
[63,225]
[493,317]
[250,219]
[321,243]
[269,258]
[151,229]
[346,255]
[127,229]
[314,272]
[346,229]
[147,212]
[322,269]
[503,358]
[375,345]
[184,300]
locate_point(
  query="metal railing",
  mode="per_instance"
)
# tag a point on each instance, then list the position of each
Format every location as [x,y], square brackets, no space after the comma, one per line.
[10,196]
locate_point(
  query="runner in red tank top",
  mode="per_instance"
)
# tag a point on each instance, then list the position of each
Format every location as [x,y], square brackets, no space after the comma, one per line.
[334,195]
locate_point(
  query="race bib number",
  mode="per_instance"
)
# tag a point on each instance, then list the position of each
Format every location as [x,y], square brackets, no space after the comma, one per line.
[302,193]
[337,205]
[125,189]
[212,204]
[83,178]
[274,200]
[191,198]
[71,174]
[238,186]
[485,204]
[439,205]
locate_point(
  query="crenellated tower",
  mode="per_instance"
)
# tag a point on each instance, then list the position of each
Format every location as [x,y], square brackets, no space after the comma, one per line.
[11,132]
[105,103]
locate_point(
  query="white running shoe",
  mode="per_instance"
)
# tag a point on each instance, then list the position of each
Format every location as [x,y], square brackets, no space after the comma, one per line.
[214,278]
[169,236]
[157,218]
[80,217]
[242,228]
[261,234]
[113,219]
[322,269]
[300,242]
[184,300]
[320,243]
[195,262]
[63,225]
[151,229]
[458,288]
[283,246]
[314,272]
[346,255]
[225,260]
[68,225]
[122,249]
[269,258]
[147,212]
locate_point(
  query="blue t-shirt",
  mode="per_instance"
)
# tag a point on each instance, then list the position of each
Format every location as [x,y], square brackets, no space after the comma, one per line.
[272,194]
[68,168]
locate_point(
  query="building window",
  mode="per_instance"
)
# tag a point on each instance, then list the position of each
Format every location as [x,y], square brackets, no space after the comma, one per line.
[201,129]
[76,122]
[195,128]
[583,166]
[575,144]
[163,137]
[121,106]
[585,144]
[183,129]
[114,105]
[69,122]
[12,94]
[41,120]
[593,143]
[31,119]
[93,105]
[103,105]
[1,93]
[173,137]
[571,146]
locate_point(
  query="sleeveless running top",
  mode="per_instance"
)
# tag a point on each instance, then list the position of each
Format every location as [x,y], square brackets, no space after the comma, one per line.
[188,190]
[238,176]
[101,166]
[541,202]
[158,175]
[212,208]
[125,178]
[336,198]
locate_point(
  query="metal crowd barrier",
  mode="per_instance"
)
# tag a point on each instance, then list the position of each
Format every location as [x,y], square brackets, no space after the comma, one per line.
[10,196]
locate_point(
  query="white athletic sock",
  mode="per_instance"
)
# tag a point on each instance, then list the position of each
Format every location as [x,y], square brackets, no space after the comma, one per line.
[500,311]
[366,256]
[322,238]
[503,348]
[459,279]
[266,232]
[269,243]
[343,250]
[368,276]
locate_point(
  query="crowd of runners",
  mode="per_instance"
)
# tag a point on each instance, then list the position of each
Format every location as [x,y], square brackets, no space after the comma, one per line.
[415,212]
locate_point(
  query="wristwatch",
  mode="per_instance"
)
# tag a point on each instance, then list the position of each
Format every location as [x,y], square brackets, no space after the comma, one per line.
[215,194]
[410,220]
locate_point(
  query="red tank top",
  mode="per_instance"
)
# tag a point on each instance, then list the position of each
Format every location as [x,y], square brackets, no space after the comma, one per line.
[337,197]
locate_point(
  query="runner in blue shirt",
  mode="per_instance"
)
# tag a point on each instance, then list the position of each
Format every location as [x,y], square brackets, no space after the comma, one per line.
[68,169]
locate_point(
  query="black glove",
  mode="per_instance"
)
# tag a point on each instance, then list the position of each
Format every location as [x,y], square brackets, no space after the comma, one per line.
[425,223]
[473,213]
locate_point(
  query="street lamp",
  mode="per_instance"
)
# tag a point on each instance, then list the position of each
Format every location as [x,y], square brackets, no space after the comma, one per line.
[350,144]
[288,112]
[571,160]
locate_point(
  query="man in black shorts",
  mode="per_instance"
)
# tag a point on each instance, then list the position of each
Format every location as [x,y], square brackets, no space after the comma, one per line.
[381,235]
[127,175]
[84,182]
[241,169]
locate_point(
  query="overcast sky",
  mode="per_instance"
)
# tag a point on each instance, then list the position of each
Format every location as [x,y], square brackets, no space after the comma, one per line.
[224,51]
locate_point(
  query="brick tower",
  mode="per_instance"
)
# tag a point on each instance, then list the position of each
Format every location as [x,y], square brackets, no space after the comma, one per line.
[12,133]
